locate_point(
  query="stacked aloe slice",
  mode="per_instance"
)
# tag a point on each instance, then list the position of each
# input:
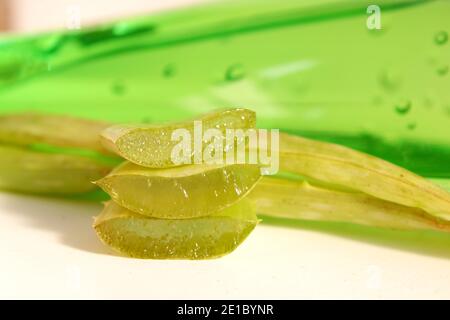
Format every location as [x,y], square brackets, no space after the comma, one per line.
[159,210]
[166,210]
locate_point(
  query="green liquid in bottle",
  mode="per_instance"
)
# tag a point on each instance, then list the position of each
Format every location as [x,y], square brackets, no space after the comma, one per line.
[308,67]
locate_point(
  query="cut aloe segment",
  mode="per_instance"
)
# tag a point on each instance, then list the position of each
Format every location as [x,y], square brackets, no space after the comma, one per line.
[57,130]
[179,192]
[345,168]
[152,146]
[200,238]
[299,200]
[27,171]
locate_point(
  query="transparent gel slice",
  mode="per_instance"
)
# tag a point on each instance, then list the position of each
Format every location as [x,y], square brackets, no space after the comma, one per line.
[57,130]
[300,200]
[179,192]
[342,167]
[138,236]
[27,171]
[152,145]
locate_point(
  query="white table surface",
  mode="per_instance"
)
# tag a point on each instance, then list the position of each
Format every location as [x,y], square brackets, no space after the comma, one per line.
[49,250]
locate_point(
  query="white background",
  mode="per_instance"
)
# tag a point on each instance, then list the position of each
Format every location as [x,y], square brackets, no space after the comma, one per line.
[48,249]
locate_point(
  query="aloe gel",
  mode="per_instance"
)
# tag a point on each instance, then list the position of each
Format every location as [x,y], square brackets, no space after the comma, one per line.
[181,192]
[199,238]
[152,145]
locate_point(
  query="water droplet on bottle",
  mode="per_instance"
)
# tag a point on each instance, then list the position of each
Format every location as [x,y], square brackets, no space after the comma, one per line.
[118,88]
[169,71]
[389,80]
[441,38]
[442,71]
[411,126]
[403,107]
[234,72]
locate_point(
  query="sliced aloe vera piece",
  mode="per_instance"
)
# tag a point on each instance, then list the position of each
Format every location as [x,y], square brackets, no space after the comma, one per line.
[151,146]
[27,171]
[58,130]
[300,200]
[179,192]
[345,168]
[200,238]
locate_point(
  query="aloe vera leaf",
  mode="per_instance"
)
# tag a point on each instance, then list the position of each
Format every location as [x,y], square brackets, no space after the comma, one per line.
[138,236]
[179,192]
[300,200]
[152,145]
[349,169]
[59,130]
[28,171]
[442,183]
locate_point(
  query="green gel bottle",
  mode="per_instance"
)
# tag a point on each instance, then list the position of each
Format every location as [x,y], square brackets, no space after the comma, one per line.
[372,78]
